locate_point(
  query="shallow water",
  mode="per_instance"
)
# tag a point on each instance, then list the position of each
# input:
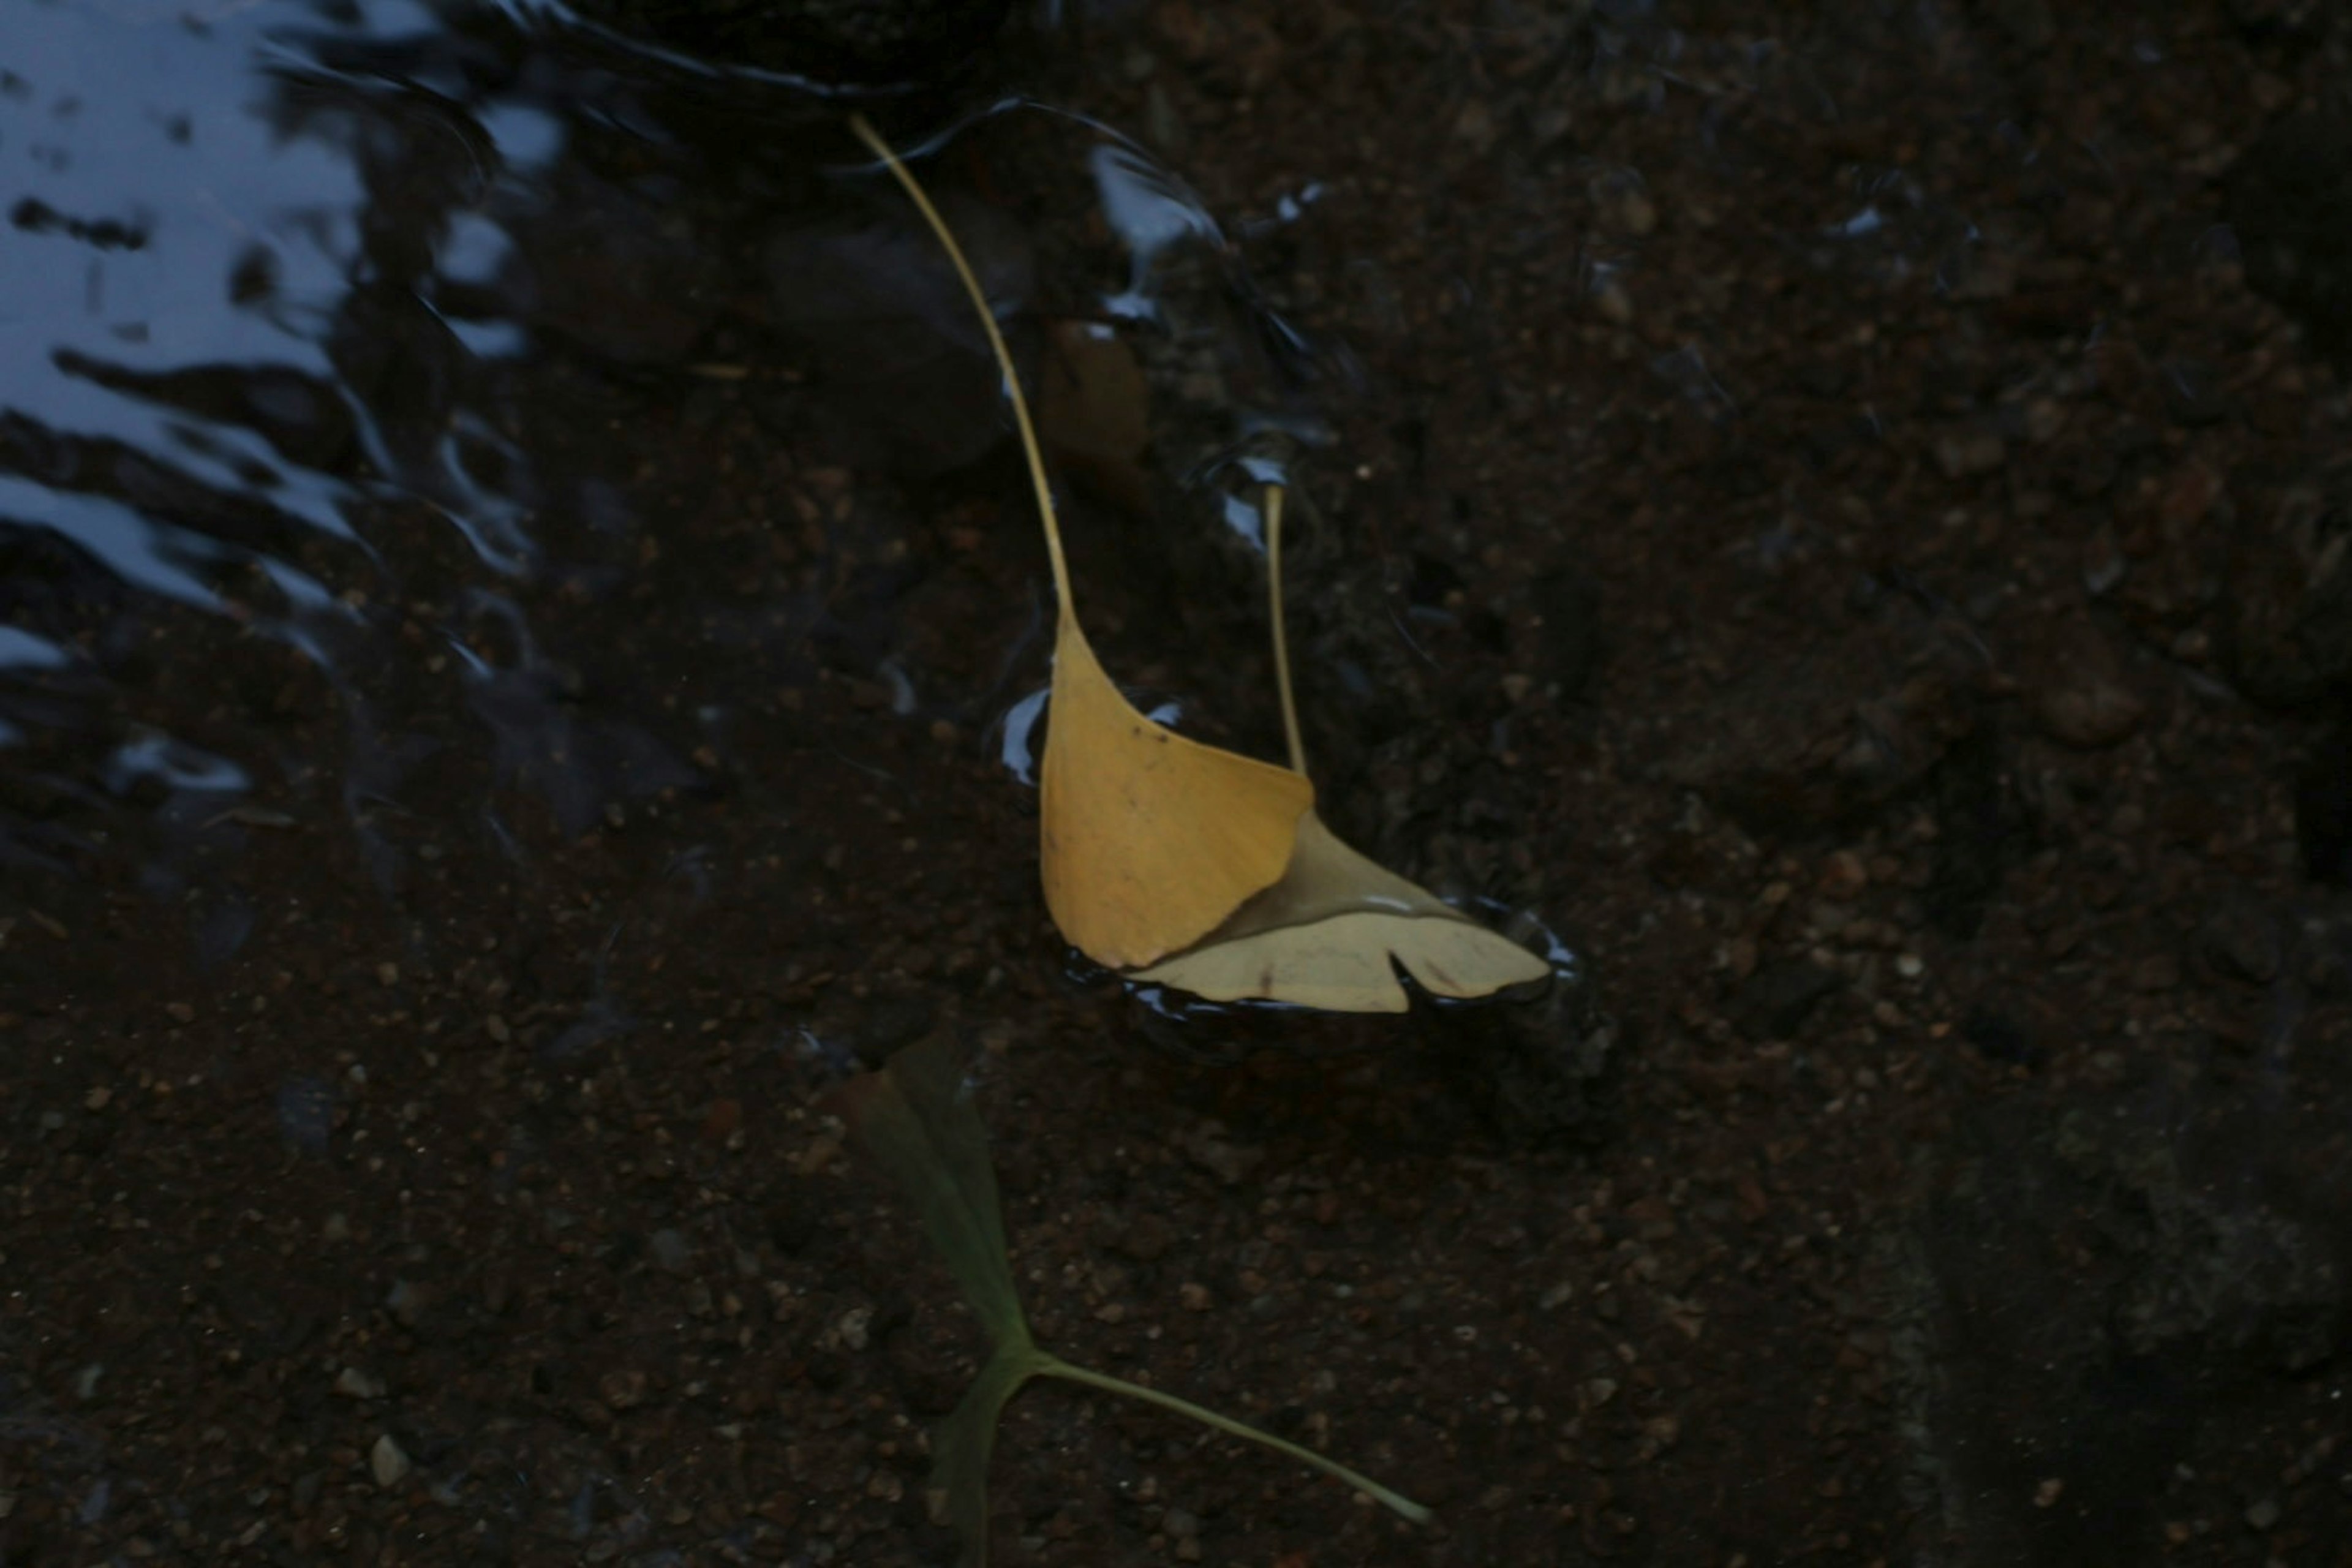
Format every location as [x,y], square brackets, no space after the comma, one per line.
[521,639]
[325,318]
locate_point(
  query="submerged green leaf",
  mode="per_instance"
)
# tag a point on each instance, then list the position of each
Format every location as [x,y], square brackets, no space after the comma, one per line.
[961,1444]
[916,1119]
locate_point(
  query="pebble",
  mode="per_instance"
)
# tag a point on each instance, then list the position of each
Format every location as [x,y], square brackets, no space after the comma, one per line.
[2263,1514]
[1843,876]
[388,1463]
[2083,701]
[1229,1162]
[1964,453]
[624,1388]
[670,1249]
[405,1302]
[354,1384]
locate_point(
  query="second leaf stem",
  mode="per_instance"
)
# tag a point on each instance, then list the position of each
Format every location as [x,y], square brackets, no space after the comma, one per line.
[1051,1366]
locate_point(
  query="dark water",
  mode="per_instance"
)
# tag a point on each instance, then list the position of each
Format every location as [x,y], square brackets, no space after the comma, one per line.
[473,483]
[322,320]
[364,331]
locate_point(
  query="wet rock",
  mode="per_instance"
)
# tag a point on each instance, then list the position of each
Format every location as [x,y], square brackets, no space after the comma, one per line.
[1773,1003]
[2081,697]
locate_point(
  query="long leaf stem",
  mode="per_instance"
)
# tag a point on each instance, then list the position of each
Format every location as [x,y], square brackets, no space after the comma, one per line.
[1051,1365]
[881,149]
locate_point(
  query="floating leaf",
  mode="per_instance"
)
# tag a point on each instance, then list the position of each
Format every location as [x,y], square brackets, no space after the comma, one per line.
[1331,933]
[1149,840]
[917,1119]
[1153,845]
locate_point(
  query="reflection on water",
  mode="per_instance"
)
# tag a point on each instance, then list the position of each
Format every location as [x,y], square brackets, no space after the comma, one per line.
[337,335]
[234,389]
[516,613]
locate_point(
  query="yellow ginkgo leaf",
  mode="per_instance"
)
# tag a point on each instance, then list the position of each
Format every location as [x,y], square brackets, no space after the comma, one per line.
[1331,933]
[1147,840]
[1153,845]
